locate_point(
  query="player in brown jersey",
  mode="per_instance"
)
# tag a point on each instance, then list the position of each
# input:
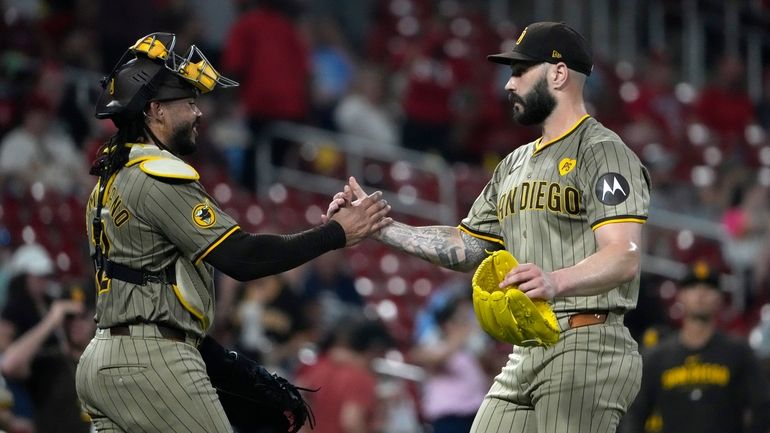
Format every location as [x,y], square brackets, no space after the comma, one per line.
[156,237]
[570,207]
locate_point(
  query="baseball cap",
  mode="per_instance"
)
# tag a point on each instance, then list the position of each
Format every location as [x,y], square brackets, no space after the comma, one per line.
[549,42]
[31,259]
[700,273]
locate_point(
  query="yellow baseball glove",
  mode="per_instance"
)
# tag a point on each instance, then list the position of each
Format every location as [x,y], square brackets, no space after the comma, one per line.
[510,315]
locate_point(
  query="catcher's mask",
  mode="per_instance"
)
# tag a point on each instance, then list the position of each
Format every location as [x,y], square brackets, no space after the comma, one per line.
[155,73]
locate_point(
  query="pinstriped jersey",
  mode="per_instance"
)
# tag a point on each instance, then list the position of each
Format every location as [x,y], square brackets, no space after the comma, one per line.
[544,201]
[155,217]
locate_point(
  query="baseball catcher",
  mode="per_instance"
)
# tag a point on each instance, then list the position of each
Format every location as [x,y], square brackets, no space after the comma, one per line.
[156,236]
[510,315]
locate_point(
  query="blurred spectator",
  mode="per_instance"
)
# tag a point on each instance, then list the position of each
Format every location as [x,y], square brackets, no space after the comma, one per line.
[433,78]
[231,136]
[702,371]
[80,57]
[267,55]
[347,399]
[354,18]
[363,111]
[333,69]
[759,338]
[724,105]
[38,151]
[219,17]
[31,286]
[8,421]
[36,350]
[330,275]
[747,224]
[271,320]
[453,368]
[656,101]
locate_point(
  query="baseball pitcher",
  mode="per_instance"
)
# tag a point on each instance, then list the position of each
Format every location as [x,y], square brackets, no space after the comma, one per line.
[569,209]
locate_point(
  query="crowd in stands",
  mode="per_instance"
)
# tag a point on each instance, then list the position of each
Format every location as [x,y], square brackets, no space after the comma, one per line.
[404,73]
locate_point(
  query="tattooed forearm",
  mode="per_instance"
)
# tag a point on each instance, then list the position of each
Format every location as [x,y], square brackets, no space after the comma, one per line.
[477,249]
[442,245]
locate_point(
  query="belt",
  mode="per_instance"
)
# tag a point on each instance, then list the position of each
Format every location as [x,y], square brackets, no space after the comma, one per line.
[138,276]
[166,332]
[588,318]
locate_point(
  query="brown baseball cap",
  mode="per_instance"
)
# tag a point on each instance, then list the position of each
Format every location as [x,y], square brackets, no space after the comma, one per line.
[549,42]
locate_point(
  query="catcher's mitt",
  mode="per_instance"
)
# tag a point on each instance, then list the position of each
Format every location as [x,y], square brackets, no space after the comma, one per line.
[510,315]
[254,400]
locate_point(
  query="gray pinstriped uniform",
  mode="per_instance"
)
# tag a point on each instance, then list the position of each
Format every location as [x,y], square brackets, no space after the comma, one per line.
[543,203]
[143,382]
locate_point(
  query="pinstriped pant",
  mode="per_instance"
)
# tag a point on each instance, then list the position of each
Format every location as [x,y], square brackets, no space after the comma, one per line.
[147,384]
[583,384]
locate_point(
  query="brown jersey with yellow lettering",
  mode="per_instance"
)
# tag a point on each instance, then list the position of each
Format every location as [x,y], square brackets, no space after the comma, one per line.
[544,201]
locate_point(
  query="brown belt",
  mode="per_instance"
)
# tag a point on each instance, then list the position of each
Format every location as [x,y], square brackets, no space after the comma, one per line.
[165,331]
[585,319]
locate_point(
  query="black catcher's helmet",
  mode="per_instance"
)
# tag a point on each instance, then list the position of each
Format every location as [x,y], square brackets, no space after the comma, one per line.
[155,72]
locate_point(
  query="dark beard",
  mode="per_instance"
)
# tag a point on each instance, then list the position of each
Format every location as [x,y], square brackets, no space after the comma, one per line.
[537,105]
[181,140]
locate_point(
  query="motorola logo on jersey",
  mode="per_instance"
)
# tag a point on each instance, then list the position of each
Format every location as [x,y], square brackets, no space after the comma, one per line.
[612,189]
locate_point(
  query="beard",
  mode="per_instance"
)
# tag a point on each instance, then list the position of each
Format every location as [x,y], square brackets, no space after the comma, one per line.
[183,139]
[536,105]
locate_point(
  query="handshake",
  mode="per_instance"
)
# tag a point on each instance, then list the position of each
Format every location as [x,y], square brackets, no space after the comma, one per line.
[359,214]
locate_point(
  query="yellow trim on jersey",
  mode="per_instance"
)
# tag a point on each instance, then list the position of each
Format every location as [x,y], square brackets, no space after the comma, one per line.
[169,169]
[108,287]
[476,235]
[107,188]
[539,147]
[141,159]
[168,173]
[620,220]
[216,244]
[198,315]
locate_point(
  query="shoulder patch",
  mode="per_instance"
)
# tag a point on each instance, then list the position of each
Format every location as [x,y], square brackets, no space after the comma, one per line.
[612,189]
[203,215]
[169,168]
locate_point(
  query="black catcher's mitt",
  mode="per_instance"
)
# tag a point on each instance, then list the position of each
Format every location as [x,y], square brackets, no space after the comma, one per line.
[254,400]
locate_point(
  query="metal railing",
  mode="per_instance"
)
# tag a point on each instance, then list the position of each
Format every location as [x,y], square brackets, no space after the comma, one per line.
[356,151]
[734,284]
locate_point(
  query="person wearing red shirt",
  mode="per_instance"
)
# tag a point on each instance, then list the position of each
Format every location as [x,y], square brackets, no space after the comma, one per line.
[724,105]
[266,53]
[346,401]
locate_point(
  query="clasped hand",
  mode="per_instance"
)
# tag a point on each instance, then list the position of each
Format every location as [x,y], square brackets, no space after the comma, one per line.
[359,217]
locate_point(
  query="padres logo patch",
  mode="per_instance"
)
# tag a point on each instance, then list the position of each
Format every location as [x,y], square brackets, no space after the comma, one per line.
[203,215]
[566,165]
[612,189]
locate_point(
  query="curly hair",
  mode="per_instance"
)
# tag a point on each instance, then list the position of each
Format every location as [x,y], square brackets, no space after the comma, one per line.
[113,154]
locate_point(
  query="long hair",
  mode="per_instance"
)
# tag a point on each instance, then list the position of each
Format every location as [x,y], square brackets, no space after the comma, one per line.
[113,154]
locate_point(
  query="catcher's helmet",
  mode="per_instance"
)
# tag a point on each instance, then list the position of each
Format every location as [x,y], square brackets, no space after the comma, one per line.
[155,73]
